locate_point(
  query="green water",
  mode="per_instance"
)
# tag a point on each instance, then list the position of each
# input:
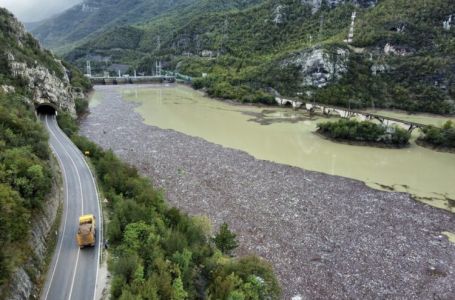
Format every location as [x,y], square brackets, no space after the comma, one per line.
[285,136]
[450,236]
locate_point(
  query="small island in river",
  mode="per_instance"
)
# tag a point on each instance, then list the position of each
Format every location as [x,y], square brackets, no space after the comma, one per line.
[439,139]
[365,133]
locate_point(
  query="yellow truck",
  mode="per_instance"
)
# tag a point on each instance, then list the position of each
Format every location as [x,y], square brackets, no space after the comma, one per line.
[86,235]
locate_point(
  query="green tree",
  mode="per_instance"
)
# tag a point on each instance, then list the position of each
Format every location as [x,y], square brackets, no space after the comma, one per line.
[225,240]
[178,292]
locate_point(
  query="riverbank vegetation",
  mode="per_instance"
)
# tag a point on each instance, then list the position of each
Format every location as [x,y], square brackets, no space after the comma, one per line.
[439,138]
[364,132]
[25,180]
[159,252]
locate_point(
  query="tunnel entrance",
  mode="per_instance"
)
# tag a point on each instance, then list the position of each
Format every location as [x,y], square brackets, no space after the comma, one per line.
[46,109]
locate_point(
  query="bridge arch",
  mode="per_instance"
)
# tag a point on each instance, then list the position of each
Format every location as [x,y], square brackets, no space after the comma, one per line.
[287,104]
[46,109]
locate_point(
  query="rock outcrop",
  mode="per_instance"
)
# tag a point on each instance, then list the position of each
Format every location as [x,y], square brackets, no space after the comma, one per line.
[447,24]
[318,67]
[47,79]
[278,16]
[45,86]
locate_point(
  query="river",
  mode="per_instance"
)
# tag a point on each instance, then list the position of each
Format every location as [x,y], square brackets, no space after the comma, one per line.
[286,136]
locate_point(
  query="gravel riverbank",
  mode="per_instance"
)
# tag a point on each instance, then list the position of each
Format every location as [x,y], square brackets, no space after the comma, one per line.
[327,237]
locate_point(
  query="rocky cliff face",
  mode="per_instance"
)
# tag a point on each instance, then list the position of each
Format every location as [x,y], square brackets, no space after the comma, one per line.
[44,76]
[318,67]
[45,86]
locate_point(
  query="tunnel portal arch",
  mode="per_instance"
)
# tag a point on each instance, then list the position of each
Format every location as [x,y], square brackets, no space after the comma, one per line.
[46,109]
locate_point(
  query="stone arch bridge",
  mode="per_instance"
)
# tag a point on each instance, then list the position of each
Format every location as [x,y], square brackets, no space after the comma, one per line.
[348,113]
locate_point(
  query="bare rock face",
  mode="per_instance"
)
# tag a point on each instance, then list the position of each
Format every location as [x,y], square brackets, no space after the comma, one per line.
[448,23]
[318,67]
[45,86]
[24,286]
[278,15]
[379,68]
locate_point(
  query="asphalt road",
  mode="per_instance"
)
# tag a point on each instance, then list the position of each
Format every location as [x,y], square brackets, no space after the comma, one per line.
[73,272]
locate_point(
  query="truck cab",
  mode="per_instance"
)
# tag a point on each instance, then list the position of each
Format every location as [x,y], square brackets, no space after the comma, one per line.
[86,235]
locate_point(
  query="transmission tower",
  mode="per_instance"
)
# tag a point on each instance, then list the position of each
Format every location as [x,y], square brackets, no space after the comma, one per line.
[158,68]
[351,28]
[225,35]
[321,27]
[89,69]
[158,43]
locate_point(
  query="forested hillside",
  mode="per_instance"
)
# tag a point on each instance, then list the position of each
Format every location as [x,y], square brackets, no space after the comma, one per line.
[25,180]
[401,54]
[91,17]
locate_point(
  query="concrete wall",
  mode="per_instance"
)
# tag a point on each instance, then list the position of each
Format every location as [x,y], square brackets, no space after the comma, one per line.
[130,80]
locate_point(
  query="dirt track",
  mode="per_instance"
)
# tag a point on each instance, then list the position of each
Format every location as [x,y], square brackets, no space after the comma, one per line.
[328,237]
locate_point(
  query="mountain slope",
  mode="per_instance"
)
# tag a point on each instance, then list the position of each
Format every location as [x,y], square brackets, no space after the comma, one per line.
[402,54]
[87,19]
[91,16]
[34,71]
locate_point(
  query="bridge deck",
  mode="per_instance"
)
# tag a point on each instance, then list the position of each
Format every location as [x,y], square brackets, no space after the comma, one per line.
[377,116]
[130,79]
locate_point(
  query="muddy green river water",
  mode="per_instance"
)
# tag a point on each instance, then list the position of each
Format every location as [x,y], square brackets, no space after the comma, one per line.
[286,136]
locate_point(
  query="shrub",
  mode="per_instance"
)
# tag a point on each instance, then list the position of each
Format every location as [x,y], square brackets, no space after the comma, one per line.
[440,137]
[67,123]
[345,129]
[81,106]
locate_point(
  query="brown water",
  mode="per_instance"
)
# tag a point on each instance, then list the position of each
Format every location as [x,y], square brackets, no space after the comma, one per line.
[286,136]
